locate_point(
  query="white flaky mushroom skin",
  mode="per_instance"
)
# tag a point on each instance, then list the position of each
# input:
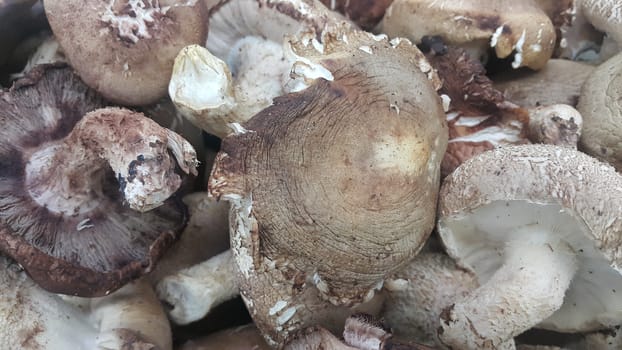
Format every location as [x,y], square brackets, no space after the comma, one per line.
[125,49]
[518,28]
[245,63]
[540,225]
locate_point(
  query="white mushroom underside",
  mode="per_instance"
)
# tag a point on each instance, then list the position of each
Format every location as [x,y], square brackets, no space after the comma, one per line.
[479,239]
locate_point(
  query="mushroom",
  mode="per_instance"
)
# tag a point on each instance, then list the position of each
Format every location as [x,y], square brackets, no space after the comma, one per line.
[377,191]
[540,225]
[510,27]
[363,332]
[417,294]
[223,84]
[557,124]
[559,82]
[125,49]
[63,214]
[32,318]
[601,108]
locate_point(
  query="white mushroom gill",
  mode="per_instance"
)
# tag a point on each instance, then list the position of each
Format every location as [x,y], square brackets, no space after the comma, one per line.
[550,273]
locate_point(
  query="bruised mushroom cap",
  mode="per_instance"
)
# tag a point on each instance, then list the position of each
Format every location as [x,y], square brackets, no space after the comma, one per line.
[125,49]
[601,107]
[66,223]
[349,164]
[505,195]
[510,27]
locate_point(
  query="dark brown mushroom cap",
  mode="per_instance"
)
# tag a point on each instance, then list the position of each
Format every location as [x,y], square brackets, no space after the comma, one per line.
[125,49]
[59,251]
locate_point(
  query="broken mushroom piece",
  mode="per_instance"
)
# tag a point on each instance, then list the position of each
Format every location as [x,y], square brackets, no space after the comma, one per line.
[600,105]
[32,318]
[125,49]
[520,28]
[333,187]
[540,225]
[557,124]
[245,64]
[417,294]
[365,13]
[65,179]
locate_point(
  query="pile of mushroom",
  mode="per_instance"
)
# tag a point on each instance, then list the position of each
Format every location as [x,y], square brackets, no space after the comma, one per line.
[310,174]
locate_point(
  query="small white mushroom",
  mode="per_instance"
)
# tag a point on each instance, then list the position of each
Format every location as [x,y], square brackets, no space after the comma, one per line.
[557,124]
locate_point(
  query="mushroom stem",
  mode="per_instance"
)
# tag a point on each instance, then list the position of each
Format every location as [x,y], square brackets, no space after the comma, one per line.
[67,176]
[193,292]
[528,288]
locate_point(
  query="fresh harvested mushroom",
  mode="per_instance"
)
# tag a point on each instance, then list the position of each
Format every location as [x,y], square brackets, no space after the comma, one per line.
[558,82]
[32,318]
[205,235]
[600,105]
[346,196]
[125,49]
[519,28]
[417,294]
[540,225]
[67,178]
[245,64]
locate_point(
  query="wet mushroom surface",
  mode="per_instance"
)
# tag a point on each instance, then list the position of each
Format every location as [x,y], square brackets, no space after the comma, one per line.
[63,217]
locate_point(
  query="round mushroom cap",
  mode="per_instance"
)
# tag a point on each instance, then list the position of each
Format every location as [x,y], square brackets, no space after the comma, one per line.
[554,189]
[600,105]
[88,253]
[125,49]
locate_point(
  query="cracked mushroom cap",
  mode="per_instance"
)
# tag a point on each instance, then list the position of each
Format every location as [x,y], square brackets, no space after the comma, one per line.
[66,182]
[600,104]
[520,28]
[333,187]
[540,225]
[125,49]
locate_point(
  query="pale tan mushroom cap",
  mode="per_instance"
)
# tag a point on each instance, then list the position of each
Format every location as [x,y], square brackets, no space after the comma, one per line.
[600,105]
[519,27]
[564,191]
[605,15]
[125,49]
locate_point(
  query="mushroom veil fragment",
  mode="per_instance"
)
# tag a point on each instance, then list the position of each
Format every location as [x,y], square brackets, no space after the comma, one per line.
[333,187]
[68,173]
[540,226]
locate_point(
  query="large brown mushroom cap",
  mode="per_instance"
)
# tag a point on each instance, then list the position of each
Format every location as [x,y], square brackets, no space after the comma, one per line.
[540,225]
[333,187]
[99,245]
[125,49]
